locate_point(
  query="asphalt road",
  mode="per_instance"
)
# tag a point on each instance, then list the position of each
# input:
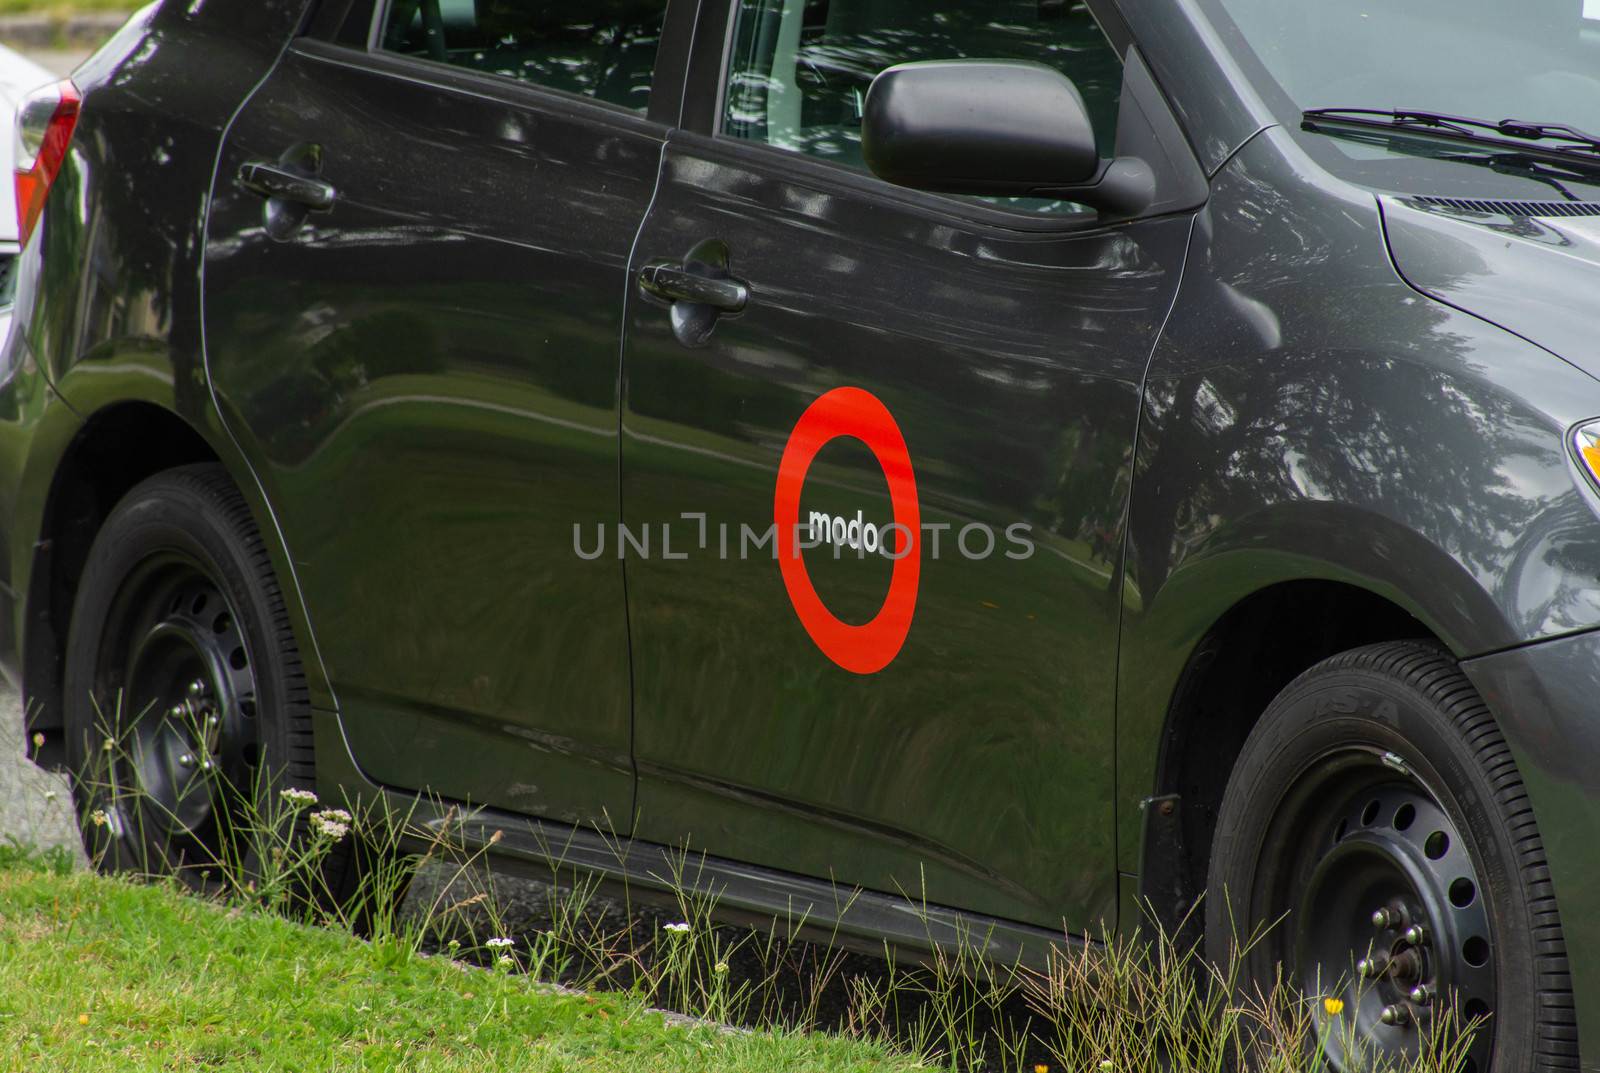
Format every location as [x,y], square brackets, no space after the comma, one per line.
[35,805]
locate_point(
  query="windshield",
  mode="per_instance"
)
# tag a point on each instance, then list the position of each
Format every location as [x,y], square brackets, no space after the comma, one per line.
[1493,59]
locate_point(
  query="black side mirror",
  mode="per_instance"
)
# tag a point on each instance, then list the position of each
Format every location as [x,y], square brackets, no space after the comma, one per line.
[997,128]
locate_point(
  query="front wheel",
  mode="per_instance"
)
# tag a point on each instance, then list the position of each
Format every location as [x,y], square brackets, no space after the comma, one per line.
[185,699]
[1376,831]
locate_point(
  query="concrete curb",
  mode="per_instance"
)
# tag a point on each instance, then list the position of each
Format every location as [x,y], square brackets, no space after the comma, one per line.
[35,32]
[35,805]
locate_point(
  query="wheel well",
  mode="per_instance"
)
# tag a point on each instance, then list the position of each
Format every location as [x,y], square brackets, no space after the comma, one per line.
[1247,658]
[116,449]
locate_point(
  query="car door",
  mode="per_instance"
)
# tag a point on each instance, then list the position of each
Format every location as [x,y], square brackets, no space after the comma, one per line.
[415,265]
[812,349]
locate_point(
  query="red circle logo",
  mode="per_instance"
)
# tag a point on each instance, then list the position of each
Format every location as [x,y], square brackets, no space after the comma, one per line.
[850,411]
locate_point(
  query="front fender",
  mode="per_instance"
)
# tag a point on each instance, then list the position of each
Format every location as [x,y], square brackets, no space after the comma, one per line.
[1308,415]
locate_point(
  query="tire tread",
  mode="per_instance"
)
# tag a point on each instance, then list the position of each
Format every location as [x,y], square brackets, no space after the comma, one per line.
[1432,674]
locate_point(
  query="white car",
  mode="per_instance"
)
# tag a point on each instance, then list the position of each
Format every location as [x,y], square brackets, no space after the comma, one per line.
[19,76]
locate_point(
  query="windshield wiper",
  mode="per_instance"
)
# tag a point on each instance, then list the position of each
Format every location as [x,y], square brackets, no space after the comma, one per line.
[1553,137]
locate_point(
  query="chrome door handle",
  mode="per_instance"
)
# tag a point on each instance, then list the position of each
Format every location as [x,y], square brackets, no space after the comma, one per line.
[671,282]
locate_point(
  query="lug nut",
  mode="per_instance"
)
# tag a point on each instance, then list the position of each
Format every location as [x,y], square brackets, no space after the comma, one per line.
[1372,966]
[1396,1015]
[1422,995]
[1385,918]
[1416,935]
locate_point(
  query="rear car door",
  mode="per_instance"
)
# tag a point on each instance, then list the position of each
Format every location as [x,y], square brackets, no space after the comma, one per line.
[850,355]
[414,277]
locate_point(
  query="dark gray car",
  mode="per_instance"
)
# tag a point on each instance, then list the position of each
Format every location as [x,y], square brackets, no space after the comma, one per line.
[1066,459]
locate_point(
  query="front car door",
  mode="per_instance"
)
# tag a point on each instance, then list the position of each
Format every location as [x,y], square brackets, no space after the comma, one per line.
[414,279]
[937,718]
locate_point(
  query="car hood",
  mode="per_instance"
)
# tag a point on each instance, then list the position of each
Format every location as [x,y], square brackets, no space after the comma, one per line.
[1526,266]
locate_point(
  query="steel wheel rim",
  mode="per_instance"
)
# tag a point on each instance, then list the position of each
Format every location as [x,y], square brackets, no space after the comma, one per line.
[175,670]
[1388,917]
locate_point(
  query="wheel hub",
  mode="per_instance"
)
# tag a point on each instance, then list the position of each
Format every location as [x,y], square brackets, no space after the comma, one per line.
[1391,924]
[189,689]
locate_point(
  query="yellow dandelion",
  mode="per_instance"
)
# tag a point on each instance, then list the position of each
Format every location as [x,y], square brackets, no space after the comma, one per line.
[1334,1006]
[1041,1068]
[83,1018]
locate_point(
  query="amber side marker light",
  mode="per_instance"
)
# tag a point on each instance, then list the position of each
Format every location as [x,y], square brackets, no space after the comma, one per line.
[45,121]
[1586,442]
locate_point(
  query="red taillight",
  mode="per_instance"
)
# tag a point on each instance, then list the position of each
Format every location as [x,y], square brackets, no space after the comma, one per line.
[45,120]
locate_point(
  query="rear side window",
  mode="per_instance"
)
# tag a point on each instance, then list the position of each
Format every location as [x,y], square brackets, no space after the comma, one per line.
[604,49]
[800,69]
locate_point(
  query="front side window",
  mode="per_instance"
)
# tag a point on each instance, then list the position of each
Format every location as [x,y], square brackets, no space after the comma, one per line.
[801,69]
[604,49]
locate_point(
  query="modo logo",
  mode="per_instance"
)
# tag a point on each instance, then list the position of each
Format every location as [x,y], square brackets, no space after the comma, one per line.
[856,533]
[850,411]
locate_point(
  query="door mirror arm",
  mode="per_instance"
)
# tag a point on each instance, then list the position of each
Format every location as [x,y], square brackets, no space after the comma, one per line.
[1125,187]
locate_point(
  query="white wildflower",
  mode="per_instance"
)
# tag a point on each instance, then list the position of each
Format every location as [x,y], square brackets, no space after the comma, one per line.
[498,944]
[337,815]
[676,929]
[99,818]
[297,797]
[721,968]
[108,745]
[504,962]
[332,830]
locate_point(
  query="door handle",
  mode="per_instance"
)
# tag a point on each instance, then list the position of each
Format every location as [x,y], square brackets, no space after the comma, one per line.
[281,184]
[673,283]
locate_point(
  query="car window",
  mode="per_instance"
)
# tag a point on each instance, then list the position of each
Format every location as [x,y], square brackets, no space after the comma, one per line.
[800,69]
[604,49]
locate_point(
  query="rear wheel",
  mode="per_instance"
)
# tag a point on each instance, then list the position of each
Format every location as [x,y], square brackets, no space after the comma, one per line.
[1376,824]
[185,697]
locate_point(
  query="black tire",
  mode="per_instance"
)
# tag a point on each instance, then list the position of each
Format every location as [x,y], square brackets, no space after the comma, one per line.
[178,588]
[1377,793]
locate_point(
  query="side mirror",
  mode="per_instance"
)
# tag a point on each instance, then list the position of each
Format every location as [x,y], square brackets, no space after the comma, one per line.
[996,128]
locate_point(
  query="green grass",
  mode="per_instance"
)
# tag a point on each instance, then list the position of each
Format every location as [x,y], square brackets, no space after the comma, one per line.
[110,974]
[66,7]
[117,973]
